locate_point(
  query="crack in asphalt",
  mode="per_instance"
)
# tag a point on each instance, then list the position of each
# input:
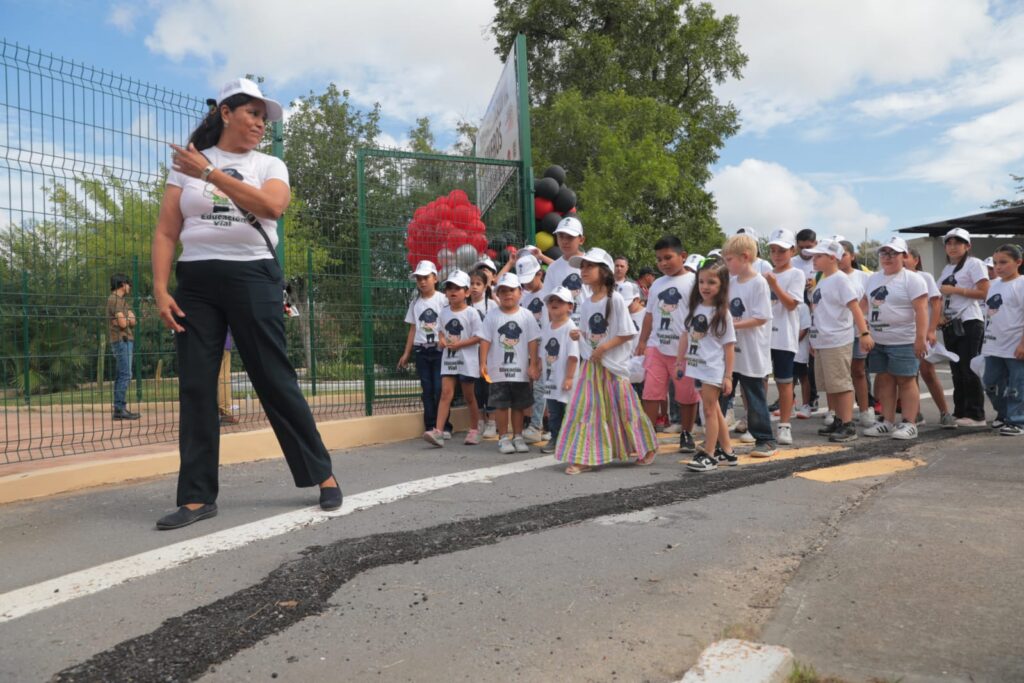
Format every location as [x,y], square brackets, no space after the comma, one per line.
[184,648]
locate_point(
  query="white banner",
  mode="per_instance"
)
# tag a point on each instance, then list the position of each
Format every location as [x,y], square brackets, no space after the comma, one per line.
[498,137]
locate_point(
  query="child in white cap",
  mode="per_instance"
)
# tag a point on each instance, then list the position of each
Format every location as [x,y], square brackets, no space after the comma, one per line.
[424,320]
[561,354]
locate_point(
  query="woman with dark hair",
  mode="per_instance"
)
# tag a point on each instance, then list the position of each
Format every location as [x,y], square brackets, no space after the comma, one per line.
[964,285]
[221,202]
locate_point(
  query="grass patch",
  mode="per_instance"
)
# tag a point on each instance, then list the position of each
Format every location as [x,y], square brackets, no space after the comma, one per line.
[805,673]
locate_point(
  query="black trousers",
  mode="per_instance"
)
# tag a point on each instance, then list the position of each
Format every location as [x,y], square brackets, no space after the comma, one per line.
[968,394]
[247,296]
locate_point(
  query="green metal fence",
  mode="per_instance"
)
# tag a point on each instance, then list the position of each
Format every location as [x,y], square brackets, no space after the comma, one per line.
[82,155]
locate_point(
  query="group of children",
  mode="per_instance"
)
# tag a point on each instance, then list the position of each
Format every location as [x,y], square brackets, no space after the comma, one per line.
[577,345]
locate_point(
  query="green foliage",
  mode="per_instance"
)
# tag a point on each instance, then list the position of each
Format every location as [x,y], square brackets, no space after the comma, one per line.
[867,254]
[1008,203]
[623,99]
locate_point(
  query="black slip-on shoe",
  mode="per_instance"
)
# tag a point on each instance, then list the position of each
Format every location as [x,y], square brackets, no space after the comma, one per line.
[330,497]
[123,414]
[183,517]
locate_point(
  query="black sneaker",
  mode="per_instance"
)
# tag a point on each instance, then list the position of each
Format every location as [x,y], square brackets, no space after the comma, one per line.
[702,462]
[724,458]
[846,432]
[829,430]
[773,407]
[686,443]
[125,414]
[997,423]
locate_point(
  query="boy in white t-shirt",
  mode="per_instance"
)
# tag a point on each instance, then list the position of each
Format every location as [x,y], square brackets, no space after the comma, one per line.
[424,320]
[561,355]
[835,314]
[751,308]
[787,292]
[801,363]
[569,235]
[509,341]
[529,273]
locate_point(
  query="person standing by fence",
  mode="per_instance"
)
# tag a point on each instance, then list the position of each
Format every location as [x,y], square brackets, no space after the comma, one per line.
[121,328]
[228,274]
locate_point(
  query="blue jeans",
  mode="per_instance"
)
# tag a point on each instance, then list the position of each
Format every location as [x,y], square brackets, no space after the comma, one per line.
[1004,384]
[123,359]
[428,367]
[556,413]
[539,403]
[759,421]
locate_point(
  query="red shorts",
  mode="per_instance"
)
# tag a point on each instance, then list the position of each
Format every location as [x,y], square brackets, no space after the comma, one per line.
[659,369]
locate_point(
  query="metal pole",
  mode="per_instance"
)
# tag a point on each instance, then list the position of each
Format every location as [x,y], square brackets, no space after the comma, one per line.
[137,302]
[26,371]
[312,319]
[367,291]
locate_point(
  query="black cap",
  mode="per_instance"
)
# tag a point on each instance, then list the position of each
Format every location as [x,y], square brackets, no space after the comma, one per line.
[118,279]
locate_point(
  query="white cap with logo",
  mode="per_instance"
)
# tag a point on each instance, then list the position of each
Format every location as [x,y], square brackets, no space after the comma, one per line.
[896,244]
[783,238]
[570,225]
[485,262]
[243,86]
[423,268]
[693,262]
[595,255]
[828,246]
[959,233]
[510,280]
[527,267]
[459,278]
[560,293]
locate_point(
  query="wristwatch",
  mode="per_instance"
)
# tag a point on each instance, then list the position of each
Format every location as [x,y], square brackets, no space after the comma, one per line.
[206,172]
[865,333]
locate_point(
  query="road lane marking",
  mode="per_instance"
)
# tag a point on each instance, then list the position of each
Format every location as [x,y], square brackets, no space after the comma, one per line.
[30,599]
[859,470]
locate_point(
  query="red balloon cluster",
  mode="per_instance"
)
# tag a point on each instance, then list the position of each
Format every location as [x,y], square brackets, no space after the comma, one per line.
[448,222]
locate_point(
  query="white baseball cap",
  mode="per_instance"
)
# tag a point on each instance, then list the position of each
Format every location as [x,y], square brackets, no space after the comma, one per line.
[896,244]
[561,293]
[459,278]
[959,233]
[570,225]
[828,246]
[243,86]
[595,255]
[693,262]
[527,267]
[509,280]
[783,238]
[748,231]
[486,262]
[424,268]
[989,262]
[629,291]
[715,253]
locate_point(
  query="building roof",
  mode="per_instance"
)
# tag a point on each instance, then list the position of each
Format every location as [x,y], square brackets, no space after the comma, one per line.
[1002,222]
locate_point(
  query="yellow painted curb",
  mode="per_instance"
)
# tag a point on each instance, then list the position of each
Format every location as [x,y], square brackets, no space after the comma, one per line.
[235,448]
[859,470]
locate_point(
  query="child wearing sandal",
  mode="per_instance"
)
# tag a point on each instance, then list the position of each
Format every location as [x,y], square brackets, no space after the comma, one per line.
[604,421]
[708,346]
[460,361]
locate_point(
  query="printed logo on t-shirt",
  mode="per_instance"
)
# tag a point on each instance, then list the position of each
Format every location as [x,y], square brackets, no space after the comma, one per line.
[508,337]
[598,326]
[737,308]
[668,301]
[536,306]
[453,333]
[993,304]
[951,281]
[698,330]
[574,284]
[551,349]
[224,210]
[878,297]
[816,297]
[428,323]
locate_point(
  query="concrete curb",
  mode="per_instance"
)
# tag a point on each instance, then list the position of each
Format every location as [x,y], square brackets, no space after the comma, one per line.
[740,661]
[235,448]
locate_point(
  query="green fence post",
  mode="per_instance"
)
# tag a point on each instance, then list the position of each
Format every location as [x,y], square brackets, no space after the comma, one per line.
[137,300]
[277,147]
[312,319]
[525,143]
[26,371]
[367,290]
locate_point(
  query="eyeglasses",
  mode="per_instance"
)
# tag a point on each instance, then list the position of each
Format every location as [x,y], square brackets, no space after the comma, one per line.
[889,253]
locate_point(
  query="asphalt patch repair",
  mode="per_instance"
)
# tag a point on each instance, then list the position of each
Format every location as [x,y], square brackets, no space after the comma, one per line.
[184,648]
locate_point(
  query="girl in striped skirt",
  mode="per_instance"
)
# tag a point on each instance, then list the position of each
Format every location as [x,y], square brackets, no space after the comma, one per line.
[604,420]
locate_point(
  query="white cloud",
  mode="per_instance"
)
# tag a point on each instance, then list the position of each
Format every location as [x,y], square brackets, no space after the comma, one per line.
[767,195]
[805,53]
[123,17]
[414,58]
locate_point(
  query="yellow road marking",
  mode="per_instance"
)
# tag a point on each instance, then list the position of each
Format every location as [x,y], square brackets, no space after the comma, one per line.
[858,470]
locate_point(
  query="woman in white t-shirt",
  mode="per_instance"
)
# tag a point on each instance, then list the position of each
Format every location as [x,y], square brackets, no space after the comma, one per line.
[963,284]
[221,203]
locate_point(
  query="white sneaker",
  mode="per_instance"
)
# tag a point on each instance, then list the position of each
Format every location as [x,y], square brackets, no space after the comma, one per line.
[674,429]
[883,428]
[730,420]
[546,436]
[829,418]
[505,445]
[818,411]
[520,445]
[804,412]
[490,430]
[969,422]
[905,431]
[531,435]
[867,418]
[446,435]
[785,435]
[747,437]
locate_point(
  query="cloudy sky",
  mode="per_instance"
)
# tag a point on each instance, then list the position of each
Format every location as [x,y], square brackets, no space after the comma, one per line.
[858,117]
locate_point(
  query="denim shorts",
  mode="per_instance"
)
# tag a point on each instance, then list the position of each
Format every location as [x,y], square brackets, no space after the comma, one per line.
[515,395]
[782,366]
[893,359]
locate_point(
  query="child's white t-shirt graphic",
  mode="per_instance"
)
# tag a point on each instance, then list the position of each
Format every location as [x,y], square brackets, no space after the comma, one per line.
[425,314]
[785,323]
[556,350]
[509,334]
[891,315]
[705,352]
[456,327]
[667,301]
[1004,318]
[752,300]
[597,328]
[956,306]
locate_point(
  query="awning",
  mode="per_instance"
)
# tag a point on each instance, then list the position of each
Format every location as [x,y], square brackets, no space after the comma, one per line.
[1002,222]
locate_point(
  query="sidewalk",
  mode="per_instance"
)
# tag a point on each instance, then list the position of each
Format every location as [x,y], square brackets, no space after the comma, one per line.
[925,580]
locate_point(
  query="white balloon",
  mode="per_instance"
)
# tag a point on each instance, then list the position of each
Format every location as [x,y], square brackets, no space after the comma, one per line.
[465,256]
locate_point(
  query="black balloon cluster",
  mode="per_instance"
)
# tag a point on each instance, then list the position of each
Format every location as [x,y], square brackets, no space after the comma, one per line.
[553,200]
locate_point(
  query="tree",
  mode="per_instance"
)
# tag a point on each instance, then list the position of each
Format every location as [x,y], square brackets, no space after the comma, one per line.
[622,95]
[867,253]
[1008,203]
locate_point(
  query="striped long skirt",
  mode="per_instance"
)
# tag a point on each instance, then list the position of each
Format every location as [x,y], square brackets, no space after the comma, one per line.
[604,421]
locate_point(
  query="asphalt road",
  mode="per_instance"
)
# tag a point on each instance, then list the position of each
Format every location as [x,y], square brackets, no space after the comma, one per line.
[624,574]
